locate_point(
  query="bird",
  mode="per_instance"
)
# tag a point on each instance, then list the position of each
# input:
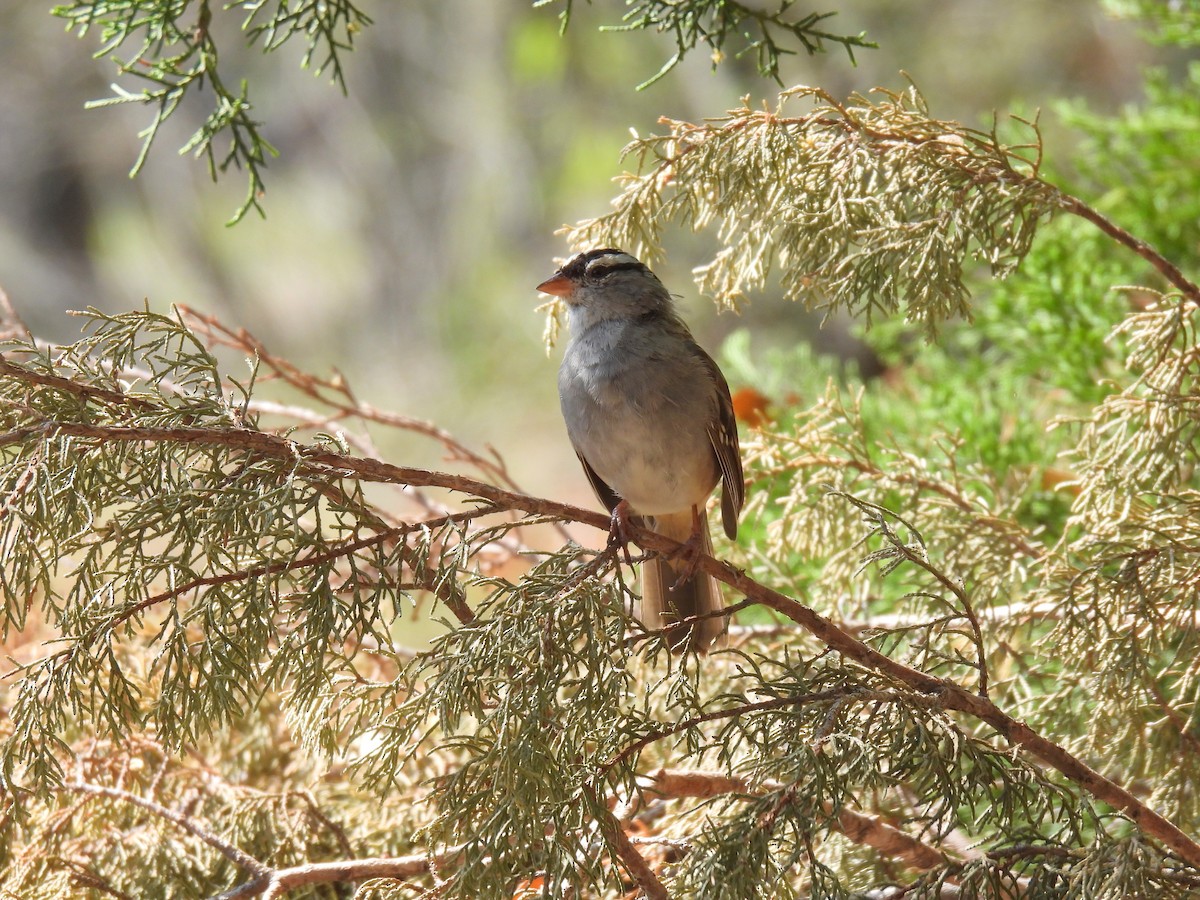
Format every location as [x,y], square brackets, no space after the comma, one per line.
[649,415]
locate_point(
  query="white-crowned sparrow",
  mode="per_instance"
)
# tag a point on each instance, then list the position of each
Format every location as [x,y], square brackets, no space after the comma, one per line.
[649,415]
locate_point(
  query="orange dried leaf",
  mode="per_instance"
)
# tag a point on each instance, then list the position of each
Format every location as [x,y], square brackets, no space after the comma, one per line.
[750,406]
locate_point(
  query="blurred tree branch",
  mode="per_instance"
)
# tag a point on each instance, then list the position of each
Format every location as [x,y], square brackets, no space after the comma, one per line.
[173,48]
[752,29]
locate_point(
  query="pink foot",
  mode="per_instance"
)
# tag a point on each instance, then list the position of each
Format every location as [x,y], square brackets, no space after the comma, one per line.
[618,535]
[689,551]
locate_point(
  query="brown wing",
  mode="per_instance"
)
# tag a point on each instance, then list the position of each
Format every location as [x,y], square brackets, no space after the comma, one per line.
[606,494]
[723,434]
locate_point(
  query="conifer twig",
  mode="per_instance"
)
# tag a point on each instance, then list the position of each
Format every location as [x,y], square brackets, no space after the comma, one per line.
[337,551]
[335,393]
[732,712]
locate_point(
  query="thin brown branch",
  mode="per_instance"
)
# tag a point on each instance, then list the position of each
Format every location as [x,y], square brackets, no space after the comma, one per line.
[84,877]
[967,607]
[308,384]
[67,385]
[904,549]
[634,862]
[320,388]
[313,559]
[873,832]
[511,545]
[1178,724]
[233,854]
[12,326]
[1164,266]
[275,883]
[323,461]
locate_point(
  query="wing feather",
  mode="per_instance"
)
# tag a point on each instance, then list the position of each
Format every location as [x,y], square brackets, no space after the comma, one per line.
[606,494]
[723,434]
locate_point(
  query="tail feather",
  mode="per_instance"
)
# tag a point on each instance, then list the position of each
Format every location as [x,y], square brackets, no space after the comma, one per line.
[664,606]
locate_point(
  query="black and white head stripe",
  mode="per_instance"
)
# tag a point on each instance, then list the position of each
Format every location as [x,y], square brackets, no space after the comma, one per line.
[598,263]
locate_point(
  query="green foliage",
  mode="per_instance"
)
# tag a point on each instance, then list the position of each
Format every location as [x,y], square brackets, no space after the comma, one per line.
[273,568]
[763,33]
[172,46]
[1140,164]
[1169,21]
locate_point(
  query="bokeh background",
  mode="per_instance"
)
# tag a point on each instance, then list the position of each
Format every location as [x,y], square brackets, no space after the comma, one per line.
[408,222]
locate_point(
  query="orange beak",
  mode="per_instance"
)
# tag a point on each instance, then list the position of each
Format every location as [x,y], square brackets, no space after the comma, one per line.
[558,285]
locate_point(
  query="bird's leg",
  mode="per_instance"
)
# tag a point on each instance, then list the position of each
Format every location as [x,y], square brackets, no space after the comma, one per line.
[689,551]
[618,535]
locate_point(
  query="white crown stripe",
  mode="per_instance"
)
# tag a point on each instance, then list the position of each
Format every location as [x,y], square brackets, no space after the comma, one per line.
[608,260]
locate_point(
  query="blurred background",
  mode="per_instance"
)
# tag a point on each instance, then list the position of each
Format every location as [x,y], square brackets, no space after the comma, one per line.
[408,222]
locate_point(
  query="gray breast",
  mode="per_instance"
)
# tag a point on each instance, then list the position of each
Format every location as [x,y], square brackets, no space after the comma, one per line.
[636,408]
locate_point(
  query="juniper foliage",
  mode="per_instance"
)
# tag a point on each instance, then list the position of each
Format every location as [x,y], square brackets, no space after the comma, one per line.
[207,589]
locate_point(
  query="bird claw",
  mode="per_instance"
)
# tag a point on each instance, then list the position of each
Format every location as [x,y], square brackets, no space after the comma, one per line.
[618,535]
[689,552]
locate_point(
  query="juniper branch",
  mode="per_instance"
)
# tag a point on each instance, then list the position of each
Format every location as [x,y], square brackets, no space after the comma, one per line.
[760,32]
[633,861]
[335,392]
[230,852]
[734,712]
[950,695]
[868,205]
[335,552]
[903,549]
[71,386]
[1006,530]
[1169,271]
[174,57]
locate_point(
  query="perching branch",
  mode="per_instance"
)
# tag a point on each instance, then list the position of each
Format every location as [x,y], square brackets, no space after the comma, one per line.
[948,694]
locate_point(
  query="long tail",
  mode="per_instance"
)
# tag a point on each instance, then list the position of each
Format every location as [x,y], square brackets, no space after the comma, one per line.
[664,606]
